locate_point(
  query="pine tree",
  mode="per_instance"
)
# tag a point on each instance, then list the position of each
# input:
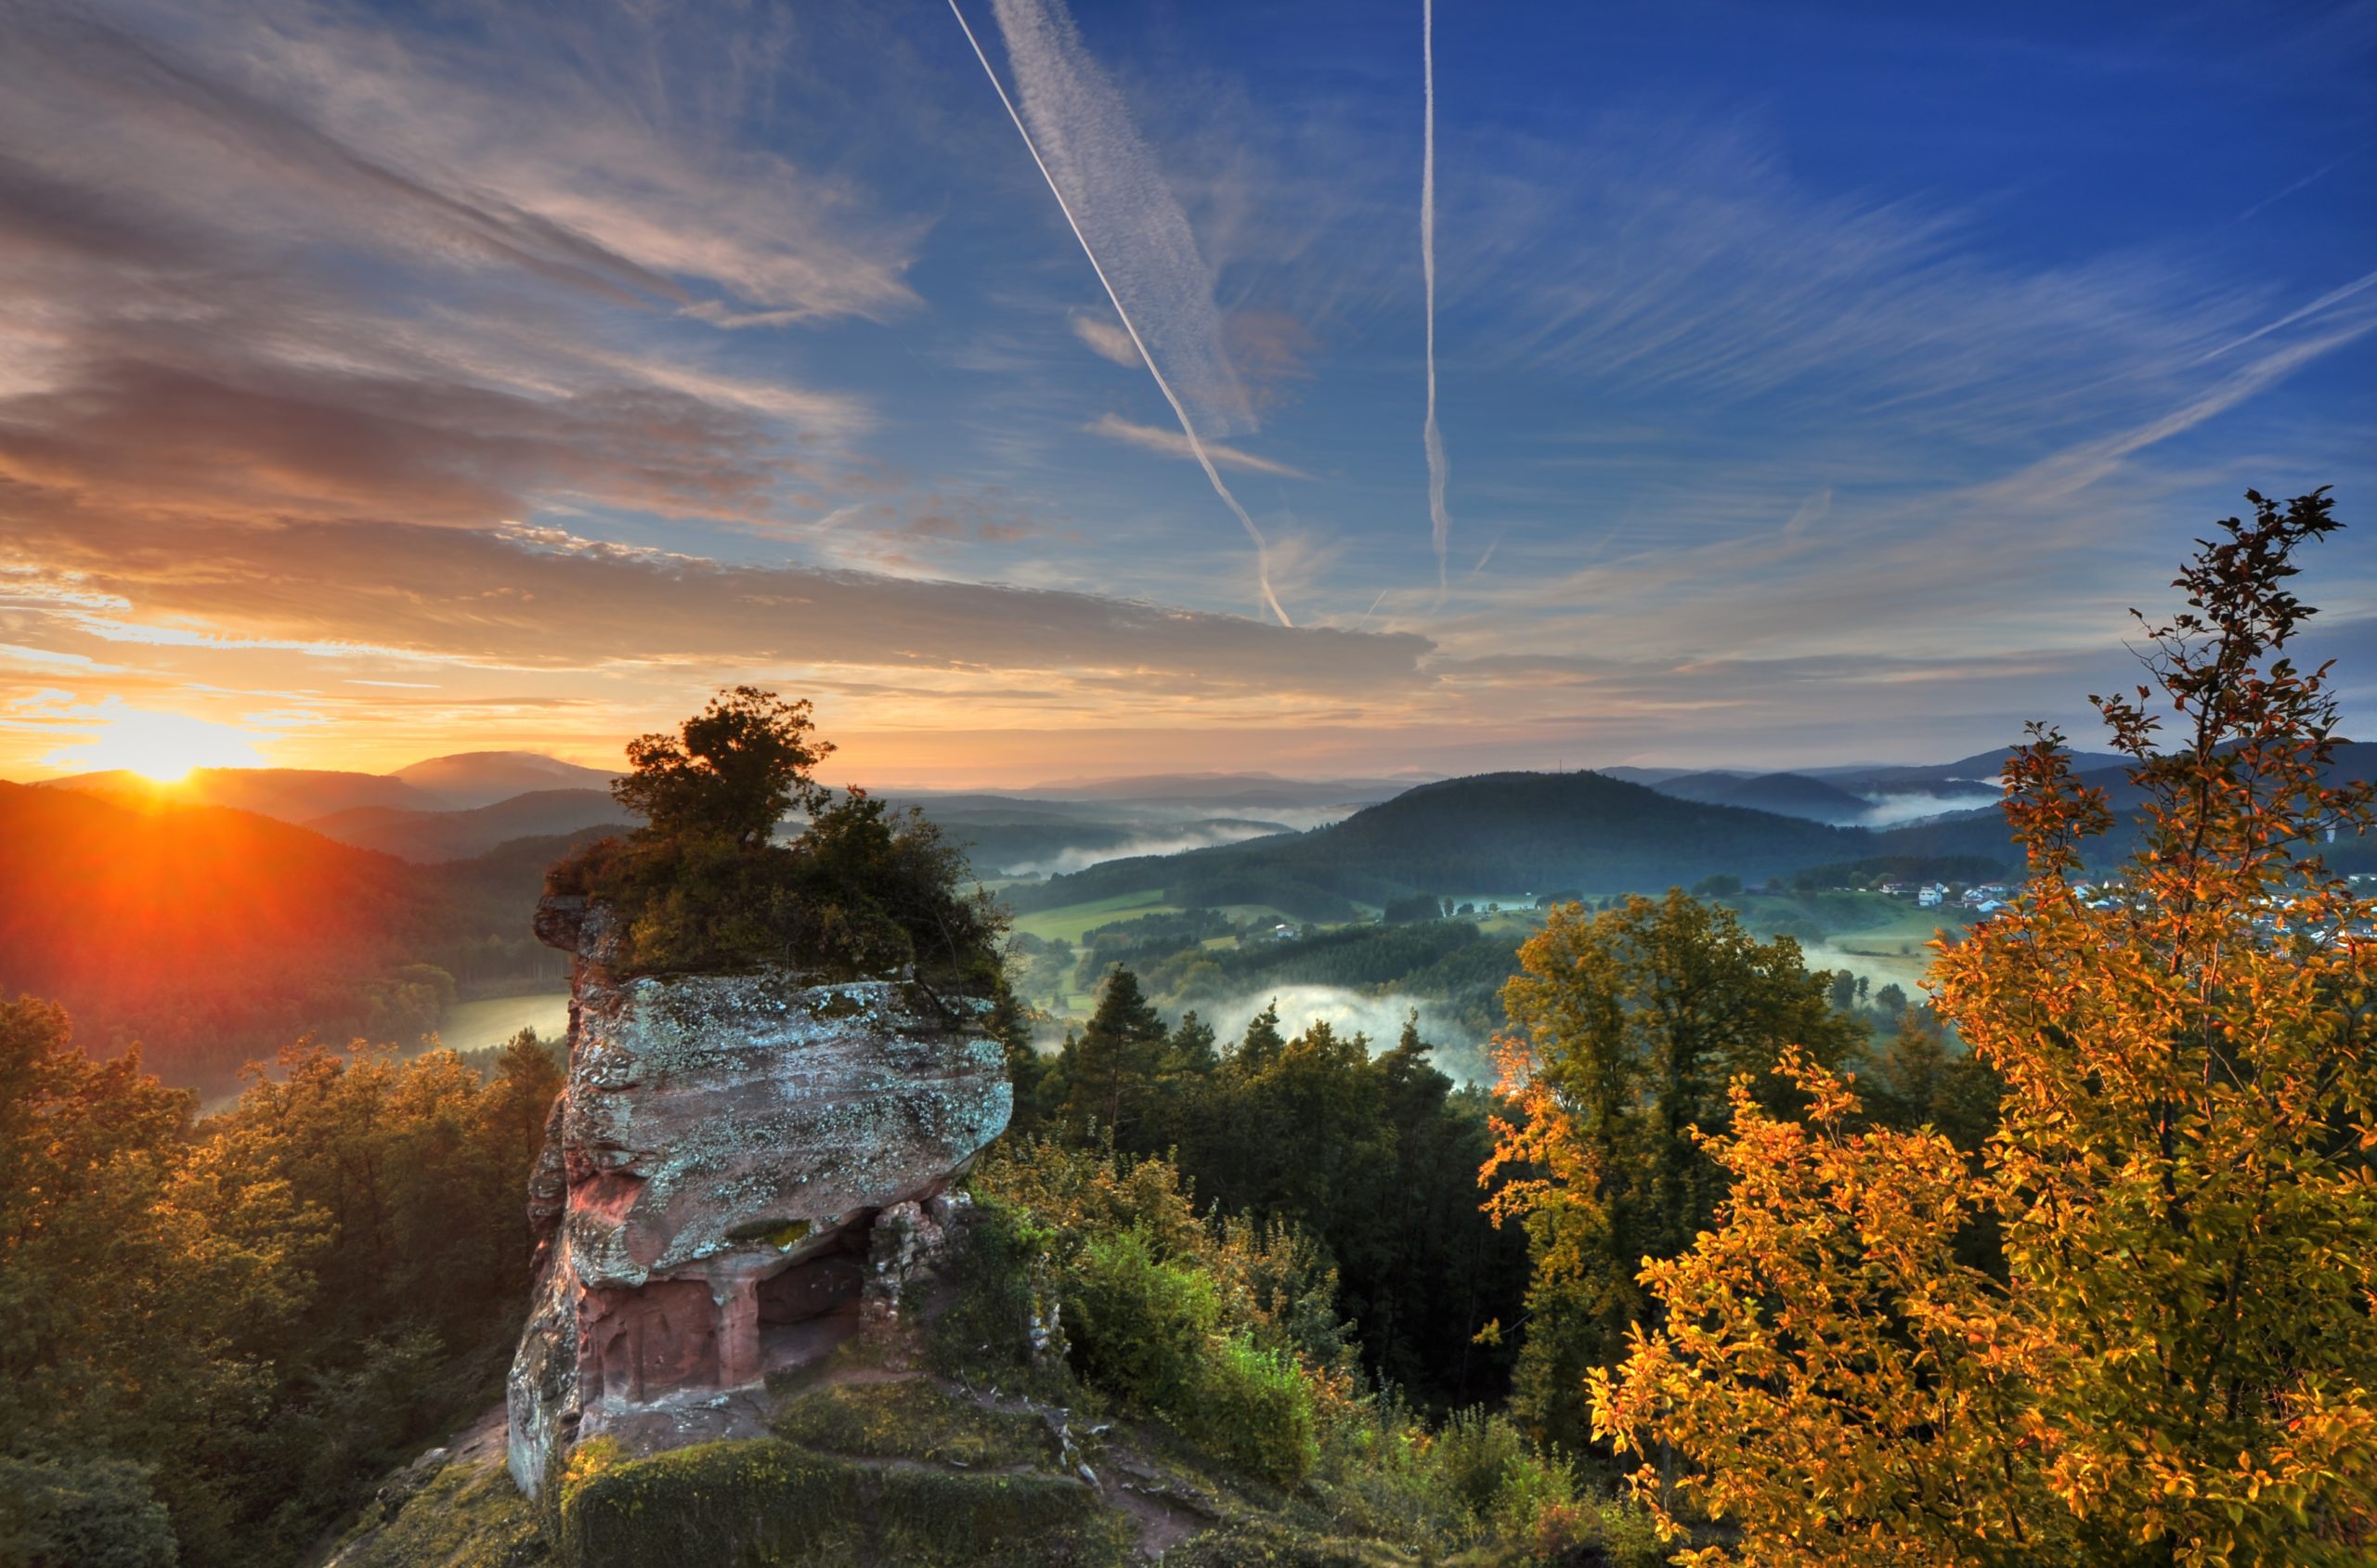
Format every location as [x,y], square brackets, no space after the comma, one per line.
[1114,1067]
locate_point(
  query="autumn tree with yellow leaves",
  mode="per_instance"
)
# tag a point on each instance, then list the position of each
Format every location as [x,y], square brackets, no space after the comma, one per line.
[1626,1025]
[2172,1357]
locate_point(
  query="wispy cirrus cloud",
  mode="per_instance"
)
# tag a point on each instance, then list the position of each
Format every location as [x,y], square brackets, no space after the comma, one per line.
[1171,443]
[1105,339]
[1116,195]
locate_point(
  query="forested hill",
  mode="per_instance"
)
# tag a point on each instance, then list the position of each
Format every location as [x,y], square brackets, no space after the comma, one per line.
[1493,832]
[1538,832]
[213,935]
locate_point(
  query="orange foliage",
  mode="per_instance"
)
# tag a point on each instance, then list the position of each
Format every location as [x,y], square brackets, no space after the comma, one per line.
[2175,1358]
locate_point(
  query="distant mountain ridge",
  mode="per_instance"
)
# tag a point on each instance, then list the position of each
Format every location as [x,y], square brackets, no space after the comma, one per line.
[463,782]
[469,780]
[1251,789]
[429,837]
[1792,794]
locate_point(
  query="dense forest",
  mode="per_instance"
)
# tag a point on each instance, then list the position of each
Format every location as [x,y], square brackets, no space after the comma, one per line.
[214,1336]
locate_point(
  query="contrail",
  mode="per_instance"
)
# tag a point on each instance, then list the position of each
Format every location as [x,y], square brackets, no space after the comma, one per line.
[2333,296]
[1440,525]
[1187,428]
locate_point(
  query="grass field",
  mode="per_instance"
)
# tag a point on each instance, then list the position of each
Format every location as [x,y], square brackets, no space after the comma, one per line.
[1895,954]
[1067,921]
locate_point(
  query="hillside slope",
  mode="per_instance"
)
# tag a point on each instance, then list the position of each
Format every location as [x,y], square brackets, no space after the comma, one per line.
[431,836]
[191,925]
[1495,833]
[214,936]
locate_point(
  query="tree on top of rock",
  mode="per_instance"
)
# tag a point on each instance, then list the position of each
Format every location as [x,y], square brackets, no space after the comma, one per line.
[731,771]
[865,890]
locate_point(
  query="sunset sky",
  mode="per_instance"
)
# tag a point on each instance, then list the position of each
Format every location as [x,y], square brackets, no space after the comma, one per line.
[1817,383]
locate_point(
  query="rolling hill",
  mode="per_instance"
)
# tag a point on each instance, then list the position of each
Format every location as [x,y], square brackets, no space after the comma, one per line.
[430,836]
[1530,834]
[1786,795]
[1509,834]
[214,936]
[470,780]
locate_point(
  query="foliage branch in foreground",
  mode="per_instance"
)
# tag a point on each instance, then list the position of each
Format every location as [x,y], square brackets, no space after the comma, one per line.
[2175,1363]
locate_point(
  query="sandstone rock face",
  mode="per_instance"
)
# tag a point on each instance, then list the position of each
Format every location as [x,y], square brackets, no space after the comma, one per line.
[723,1148]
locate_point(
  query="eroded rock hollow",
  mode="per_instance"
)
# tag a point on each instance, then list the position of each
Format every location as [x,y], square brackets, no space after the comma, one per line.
[716,1165]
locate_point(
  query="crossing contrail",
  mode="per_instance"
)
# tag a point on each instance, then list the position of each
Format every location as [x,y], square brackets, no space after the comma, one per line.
[1440,525]
[1180,410]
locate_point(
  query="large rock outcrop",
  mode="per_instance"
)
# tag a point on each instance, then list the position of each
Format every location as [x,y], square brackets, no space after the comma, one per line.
[723,1148]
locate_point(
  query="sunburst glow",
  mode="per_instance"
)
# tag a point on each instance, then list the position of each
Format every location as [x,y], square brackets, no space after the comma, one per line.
[160,747]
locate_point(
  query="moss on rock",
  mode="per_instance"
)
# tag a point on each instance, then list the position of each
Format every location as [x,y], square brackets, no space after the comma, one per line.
[911,1418]
[715,1505]
[770,1503]
[468,1516]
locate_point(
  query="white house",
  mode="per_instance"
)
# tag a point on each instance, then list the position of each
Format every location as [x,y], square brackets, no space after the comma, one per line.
[1931,896]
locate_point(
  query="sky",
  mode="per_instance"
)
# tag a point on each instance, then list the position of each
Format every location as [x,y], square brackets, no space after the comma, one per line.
[1818,383]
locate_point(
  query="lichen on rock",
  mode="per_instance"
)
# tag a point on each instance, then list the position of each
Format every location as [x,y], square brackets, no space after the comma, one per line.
[723,1146]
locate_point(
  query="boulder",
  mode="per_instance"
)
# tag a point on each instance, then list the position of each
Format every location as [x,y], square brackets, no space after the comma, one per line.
[715,1165]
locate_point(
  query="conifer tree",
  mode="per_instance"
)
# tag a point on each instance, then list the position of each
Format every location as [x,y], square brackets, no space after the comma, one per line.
[1112,1068]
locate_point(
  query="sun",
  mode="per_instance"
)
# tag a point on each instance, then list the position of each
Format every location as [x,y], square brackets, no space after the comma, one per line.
[161,747]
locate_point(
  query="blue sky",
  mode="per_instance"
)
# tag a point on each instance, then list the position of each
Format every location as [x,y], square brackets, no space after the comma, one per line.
[1817,383]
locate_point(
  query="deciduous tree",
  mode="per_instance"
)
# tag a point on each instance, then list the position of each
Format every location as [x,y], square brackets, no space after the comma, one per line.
[2179,1360]
[1626,1025]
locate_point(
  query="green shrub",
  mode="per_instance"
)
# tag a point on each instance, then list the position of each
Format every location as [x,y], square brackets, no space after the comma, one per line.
[82,1513]
[1139,1327]
[1475,1455]
[1254,1409]
[1610,1531]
